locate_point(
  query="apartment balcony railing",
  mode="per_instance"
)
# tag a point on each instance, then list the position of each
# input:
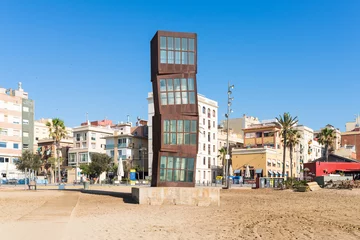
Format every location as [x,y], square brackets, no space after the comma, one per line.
[112,146]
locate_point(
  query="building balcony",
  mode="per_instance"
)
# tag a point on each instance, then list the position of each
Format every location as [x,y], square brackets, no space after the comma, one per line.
[112,146]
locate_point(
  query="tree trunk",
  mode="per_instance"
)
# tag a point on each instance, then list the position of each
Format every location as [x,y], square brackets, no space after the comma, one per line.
[326,153]
[291,162]
[284,156]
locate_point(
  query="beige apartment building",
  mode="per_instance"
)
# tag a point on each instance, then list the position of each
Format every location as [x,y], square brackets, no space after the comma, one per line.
[16,128]
[41,131]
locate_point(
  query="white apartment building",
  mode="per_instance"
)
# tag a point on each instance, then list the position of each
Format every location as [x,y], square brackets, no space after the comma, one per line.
[352,125]
[16,129]
[206,164]
[308,150]
[88,139]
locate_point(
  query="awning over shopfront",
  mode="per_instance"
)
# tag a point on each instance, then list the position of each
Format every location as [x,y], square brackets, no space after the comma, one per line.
[270,172]
[237,171]
[259,170]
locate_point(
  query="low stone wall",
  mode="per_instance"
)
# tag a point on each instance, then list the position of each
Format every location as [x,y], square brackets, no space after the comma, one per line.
[176,196]
[322,180]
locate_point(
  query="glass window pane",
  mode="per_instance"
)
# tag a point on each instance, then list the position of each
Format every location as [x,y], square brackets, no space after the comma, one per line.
[191,97]
[166,126]
[177,43]
[183,163]
[176,175]
[182,176]
[184,97]
[173,126]
[162,174]
[180,138]
[162,56]
[190,84]
[193,126]
[166,138]
[170,57]
[180,125]
[187,138]
[190,163]
[176,84]
[191,44]
[177,163]
[190,176]
[170,42]
[170,86]
[162,85]
[173,139]
[193,139]
[170,98]
[162,42]
[169,176]
[184,44]
[177,98]
[170,162]
[187,125]
[163,162]
[191,58]
[177,58]
[163,98]
[183,57]
[183,84]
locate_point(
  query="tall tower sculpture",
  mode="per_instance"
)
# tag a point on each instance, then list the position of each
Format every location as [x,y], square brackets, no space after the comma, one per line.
[175,123]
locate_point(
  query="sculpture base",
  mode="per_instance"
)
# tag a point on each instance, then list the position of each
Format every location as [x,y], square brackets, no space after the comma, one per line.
[196,196]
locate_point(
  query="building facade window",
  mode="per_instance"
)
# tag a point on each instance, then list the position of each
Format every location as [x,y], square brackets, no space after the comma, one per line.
[16,120]
[25,109]
[83,145]
[209,124]
[180,132]
[72,157]
[77,137]
[176,169]
[204,111]
[25,146]
[83,157]
[175,50]
[25,122]
[213,148]
[25,134]
[204,161]
[213,136]
[177,91]
[2,144]
[3,132]
[93,136]
[213,113]
[209,114]
[204,147]
[93,145]
[16,146]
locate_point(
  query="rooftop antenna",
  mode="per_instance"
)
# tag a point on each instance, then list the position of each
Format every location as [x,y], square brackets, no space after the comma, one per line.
[357,119]
[128,118]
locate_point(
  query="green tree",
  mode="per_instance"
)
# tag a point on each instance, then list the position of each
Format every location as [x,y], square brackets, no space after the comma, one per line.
[28,160]
[287,122]
[57,131]
[293,139]
[100,162]
[326,137]
[85,169]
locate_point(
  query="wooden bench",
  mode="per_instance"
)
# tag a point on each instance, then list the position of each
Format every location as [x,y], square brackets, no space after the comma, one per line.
[32,184]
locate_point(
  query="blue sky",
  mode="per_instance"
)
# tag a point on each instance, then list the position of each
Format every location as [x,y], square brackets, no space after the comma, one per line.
[78,56]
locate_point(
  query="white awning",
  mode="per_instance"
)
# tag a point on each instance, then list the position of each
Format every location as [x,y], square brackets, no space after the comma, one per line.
[269,161]
[274,161]
[279,162]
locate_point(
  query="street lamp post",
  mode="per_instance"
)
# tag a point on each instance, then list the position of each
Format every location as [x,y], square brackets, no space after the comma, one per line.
[227,115]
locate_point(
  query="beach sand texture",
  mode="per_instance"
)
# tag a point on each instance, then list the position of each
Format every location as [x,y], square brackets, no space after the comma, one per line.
[243,214]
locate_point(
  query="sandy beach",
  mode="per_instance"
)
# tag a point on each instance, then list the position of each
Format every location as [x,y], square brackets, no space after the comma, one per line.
[243,214]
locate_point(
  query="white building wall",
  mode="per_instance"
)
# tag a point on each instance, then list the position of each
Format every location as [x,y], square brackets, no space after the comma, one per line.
[205,169]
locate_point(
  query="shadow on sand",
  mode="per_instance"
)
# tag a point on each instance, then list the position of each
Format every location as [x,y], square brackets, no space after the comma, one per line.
[126,197]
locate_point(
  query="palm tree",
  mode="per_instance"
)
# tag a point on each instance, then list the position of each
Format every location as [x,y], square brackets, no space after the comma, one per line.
[222,155]
[287,122]
[293,139]
[57,131]
[326,137]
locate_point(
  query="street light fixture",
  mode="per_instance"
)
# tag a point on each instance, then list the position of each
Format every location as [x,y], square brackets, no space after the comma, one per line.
[227,115]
